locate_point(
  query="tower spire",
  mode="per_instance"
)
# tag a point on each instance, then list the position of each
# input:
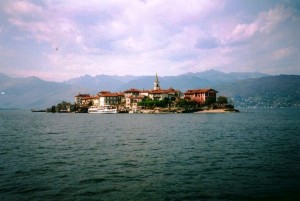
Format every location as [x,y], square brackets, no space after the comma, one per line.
[156,83]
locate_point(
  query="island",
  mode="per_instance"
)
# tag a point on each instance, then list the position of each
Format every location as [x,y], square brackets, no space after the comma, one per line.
[152,101]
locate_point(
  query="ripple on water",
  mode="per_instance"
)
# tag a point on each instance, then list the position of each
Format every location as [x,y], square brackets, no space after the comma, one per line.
[242,156]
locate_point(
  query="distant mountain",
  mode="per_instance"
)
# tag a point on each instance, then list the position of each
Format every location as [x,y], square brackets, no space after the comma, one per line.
[121,83]
[3,78]
[182,82]
[272,91]
[32,92]
[210,78]
[247,89]
[218,77]
[98,83]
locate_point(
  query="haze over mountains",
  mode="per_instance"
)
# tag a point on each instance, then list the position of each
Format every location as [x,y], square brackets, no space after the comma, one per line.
[247,89]
[182,82]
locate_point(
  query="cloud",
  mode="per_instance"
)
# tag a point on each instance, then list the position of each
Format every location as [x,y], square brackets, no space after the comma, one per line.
[265,23]
[283,53]
[144,37]
[207,43]
[19,8]
[242,31]
[114,20]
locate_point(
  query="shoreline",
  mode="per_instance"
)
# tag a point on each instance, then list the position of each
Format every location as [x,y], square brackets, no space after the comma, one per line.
[157,111]
[216,111]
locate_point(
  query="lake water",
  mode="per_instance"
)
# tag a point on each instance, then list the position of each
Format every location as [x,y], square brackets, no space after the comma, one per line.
[251,155]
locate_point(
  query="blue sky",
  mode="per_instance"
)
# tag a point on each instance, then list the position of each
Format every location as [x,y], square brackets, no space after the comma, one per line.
[61,39]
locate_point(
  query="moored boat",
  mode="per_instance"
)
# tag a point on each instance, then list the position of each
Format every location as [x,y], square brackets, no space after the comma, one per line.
[107,109]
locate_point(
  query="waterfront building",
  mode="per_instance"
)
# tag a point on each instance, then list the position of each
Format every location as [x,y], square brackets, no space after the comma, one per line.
[201,95]
[94,101]
[87,100]
[128,98]
[144,93]
[110,99]
[160,94]
[132,92]
[81,99]
[132,97]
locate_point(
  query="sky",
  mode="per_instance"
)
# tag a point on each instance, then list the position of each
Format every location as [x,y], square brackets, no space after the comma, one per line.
[61,39]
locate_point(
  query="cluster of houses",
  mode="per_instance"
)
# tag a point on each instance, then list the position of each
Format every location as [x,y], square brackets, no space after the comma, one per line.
[129,99]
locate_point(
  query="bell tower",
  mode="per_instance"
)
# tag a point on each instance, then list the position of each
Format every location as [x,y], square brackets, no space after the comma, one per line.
[156,83]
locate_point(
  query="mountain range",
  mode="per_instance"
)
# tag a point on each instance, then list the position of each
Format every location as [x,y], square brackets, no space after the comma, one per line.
[182,82]
[251,89]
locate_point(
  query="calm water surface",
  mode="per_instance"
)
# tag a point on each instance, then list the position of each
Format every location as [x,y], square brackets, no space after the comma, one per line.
[252,155]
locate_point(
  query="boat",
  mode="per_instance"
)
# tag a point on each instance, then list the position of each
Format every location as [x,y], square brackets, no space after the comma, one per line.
[106,109]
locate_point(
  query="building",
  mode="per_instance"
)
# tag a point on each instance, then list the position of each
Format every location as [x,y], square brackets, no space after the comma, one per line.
[201,95]
[107,98]
[132,97]
[160,94]
[86,100]
[132,92]
[94,101]
[156,83]
[81,99]
[127,100]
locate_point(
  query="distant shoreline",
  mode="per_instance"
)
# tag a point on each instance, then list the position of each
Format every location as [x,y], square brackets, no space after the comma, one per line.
[158,111]
[218,111]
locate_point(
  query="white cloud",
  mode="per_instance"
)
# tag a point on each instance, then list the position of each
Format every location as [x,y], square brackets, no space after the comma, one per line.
[142,37]
[269,20]
[265,23]
[283,53]
[242,31]
[19,8]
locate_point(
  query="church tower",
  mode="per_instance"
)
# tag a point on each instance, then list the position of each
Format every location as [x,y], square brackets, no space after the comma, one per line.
[156,83]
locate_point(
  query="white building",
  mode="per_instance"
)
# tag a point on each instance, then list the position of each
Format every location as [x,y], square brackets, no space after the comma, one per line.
[132,97]
[107,98]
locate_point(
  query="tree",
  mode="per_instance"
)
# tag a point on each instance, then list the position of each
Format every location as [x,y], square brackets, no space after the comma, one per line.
[148,103]
[222,100]
[210,101]
[183,103]
[58,107]
[53,109]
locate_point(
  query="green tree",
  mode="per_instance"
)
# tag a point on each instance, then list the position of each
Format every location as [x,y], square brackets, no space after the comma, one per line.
[59,107]
[210,101]
[148,103]
[173,99]
[53,109]
[183,103]
[222,100]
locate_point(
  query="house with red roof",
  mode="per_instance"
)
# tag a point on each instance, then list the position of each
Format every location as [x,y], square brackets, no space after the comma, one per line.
[201,95]
[81,99]
[134,96]
[109,98]
[130,98]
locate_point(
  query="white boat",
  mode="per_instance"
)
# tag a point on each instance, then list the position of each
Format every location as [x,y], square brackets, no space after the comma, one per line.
[107,109]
